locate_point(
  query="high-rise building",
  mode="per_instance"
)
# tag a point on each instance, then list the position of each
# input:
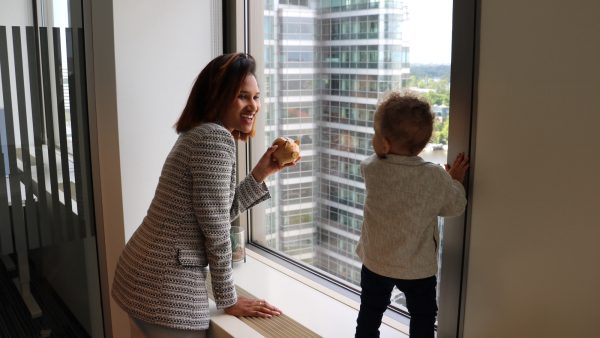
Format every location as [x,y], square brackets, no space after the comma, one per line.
[326,63]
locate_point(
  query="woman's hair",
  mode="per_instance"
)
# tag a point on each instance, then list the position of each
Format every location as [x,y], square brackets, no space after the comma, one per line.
[215,90]
[405,120]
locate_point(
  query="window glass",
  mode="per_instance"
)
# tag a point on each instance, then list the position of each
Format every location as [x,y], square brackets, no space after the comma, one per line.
[327,63]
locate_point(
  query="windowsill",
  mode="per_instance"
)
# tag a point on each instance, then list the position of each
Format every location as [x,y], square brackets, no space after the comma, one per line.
[314,306]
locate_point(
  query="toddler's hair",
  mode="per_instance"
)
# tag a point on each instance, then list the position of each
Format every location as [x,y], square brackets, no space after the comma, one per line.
[405,120]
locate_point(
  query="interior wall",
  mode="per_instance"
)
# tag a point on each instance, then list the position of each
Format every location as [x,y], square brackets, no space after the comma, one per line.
[159,53]
[15,13]
[142,60]
[534,259]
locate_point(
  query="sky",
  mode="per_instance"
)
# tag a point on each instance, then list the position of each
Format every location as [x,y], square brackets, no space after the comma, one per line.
[429,31]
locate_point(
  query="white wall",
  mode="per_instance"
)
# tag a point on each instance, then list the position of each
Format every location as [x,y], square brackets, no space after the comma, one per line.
[534,267]
[160,47]
[15,13]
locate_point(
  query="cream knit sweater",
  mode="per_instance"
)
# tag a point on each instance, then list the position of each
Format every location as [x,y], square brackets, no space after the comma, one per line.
[405,195]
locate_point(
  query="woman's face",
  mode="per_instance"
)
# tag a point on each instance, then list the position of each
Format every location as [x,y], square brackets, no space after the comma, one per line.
[241,114]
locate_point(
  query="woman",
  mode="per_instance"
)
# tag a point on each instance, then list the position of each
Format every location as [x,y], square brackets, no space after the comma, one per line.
[160,276]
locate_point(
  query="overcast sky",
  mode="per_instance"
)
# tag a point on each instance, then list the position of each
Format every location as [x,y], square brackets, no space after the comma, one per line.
[429,31]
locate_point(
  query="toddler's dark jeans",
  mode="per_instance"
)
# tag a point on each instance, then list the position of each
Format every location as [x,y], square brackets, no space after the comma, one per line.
[375,297]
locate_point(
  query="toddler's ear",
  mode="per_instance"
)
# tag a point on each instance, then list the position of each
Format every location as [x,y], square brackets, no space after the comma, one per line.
[387,145]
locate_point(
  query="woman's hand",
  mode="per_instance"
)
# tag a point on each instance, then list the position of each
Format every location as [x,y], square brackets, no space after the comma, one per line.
[246,307]
[266,166]
[458,169]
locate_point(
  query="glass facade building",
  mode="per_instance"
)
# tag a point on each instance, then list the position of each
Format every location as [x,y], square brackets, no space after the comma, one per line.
[326,63]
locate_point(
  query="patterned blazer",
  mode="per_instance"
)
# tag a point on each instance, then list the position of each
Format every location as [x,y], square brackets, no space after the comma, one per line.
[160,276]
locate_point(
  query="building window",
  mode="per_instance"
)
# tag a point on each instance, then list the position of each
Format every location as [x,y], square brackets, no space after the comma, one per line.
[326,64]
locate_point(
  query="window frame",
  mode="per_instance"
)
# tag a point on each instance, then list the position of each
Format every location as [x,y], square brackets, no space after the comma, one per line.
[241,31]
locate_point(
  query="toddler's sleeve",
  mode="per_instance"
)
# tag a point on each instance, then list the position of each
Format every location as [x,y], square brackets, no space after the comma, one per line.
[456,200]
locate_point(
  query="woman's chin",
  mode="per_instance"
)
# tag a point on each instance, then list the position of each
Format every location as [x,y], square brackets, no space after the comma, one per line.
[245,130]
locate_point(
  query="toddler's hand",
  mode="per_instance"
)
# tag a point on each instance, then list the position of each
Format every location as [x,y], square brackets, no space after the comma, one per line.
[458,169]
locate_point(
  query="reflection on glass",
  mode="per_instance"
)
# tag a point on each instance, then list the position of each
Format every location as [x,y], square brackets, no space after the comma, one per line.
[326,64]
[47,230]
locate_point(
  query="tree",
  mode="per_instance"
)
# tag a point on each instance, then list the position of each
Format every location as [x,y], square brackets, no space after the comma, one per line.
[440,131]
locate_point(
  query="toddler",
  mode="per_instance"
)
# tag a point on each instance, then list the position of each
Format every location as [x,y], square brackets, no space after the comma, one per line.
[405,195]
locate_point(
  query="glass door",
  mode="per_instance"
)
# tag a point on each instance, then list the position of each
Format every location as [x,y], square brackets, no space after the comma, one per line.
[49,268]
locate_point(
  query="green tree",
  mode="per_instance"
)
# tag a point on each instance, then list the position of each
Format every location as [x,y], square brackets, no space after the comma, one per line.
[440,131]
[435,79]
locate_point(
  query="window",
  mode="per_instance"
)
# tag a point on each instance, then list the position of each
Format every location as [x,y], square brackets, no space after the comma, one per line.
[334,60]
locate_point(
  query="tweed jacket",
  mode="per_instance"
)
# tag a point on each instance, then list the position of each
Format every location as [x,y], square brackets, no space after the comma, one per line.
[405,195]
[160,276]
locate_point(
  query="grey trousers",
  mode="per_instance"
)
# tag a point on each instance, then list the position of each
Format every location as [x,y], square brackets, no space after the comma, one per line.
[141,329]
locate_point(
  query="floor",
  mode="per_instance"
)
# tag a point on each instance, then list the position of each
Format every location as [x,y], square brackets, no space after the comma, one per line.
[15,320]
